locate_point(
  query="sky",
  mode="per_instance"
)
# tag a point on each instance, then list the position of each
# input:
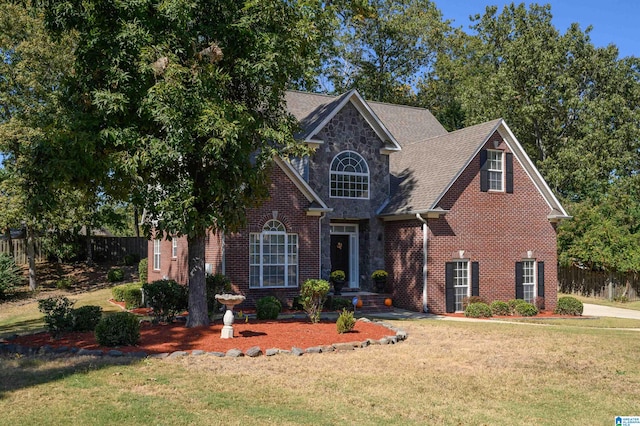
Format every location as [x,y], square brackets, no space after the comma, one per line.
[613,21]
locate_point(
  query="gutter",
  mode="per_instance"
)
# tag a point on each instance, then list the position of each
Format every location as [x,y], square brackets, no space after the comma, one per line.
[425,241]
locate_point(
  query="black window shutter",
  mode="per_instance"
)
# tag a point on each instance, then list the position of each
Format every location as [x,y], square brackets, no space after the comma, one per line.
[519,280]
[484,172]
[509,172]
[475,279]
[449,293]
[540,279]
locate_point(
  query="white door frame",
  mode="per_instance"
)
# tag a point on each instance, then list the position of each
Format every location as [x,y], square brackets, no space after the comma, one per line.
[352,230]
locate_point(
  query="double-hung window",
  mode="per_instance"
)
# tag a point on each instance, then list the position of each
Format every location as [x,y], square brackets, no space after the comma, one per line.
[494,166]
[460,282]
[349,176]
[529,280]
[174,247]
[156,254]
[273,257]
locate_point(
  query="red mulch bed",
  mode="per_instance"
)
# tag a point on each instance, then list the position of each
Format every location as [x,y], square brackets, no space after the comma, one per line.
[282,334]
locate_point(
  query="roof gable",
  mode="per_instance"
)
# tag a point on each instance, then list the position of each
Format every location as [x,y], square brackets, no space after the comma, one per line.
[317,205]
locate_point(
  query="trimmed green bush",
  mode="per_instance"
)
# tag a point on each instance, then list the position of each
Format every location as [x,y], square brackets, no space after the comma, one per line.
[268,307]
[216,284]
[337,303]
[119,329]
[478,310]
[131,259]
[466,301]
[167,298]
[58,315]
[86,318]
[115,275]
[313,293]
[10,275]
[345,322]
[499,307]
[133,296]
[568,305]
[513,303]
[526,309]
[143,272]
[64,283]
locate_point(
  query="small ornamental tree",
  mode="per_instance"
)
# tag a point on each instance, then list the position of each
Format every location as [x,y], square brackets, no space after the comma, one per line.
[312,296]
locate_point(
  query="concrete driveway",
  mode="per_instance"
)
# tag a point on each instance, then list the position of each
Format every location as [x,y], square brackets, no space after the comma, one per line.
[606,311]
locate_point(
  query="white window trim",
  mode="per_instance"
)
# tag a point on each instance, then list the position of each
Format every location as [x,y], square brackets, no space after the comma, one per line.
[367,174]
[353,231]
[468,279]
[156,254]
[174,247]
[535,279]
[501,171]
[287,236]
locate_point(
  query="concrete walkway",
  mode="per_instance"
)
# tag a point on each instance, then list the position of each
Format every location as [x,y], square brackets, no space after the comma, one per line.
[607,311]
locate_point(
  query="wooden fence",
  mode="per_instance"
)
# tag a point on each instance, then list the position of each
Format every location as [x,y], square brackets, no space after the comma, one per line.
[103,248]
[601,284]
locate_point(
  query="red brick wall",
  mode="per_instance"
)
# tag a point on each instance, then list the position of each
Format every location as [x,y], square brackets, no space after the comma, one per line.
[404,259]
[289,206]
[174,268]
[495,229]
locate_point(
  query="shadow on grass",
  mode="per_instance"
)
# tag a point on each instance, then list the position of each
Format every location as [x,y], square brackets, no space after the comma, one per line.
[19,372]
[29,326]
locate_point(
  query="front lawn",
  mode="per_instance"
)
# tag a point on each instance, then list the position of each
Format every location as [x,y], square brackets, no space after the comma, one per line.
[446,372]
[604,302]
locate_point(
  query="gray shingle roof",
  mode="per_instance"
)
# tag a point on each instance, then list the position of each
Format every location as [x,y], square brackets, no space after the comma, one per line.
[424,170]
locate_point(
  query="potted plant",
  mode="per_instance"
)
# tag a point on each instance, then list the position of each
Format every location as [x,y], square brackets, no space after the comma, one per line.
[337,278]
[380,279]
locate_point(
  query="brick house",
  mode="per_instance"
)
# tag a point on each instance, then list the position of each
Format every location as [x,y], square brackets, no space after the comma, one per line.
[447,215]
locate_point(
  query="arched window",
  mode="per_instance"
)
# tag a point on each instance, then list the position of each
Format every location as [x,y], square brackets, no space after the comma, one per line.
[273,257]
[349,176]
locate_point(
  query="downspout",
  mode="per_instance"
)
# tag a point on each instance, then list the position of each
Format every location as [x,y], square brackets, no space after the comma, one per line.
[425,241]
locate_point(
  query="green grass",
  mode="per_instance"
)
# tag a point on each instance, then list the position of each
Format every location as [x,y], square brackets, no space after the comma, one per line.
[604,302]
[574,371]
[604,322]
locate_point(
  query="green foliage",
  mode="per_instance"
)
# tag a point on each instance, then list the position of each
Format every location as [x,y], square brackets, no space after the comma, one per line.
[312,295]
[568,305]
[64,283]
[86,318]
[268,307]
[119,329]
[143,272]
[337,303]
[337,275]
[466,301]
[10,275]
[345,322]
[526,309]
[115,275]
[216,284]
[513,304]
[167,298]
[500,308]
[58,314]
[478,310]
[132,296]
[379,274]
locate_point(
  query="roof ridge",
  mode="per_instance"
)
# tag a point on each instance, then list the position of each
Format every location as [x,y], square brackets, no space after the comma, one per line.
[454,132]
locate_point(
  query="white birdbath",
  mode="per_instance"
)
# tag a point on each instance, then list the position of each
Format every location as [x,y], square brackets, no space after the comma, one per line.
[228,300]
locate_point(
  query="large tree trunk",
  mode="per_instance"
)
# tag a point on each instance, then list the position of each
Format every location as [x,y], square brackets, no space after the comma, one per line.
[31,256]
[198,313]
[136,221]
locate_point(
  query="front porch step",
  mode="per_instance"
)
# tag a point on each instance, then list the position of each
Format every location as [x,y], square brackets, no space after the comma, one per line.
[371,302]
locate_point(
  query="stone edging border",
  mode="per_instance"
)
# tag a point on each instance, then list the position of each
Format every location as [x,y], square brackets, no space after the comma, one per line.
[399,336]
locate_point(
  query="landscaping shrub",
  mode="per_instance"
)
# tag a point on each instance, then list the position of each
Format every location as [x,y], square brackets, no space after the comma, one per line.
[58,316]
[296,304]
[118,292]
[499,307]
[216,284]
[64,283]
[132,296]
[345,322]
[337,303]
[142,270]
[513,303]
[568,305]
[539,303]
[10,275]
[477,310]
[115,275]
[119,329]
[312,295]
[268,307]
[466,301]
[167,298]
[86,318]
[526,309]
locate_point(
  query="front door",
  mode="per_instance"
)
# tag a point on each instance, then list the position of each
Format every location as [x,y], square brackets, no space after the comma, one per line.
[340,255]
